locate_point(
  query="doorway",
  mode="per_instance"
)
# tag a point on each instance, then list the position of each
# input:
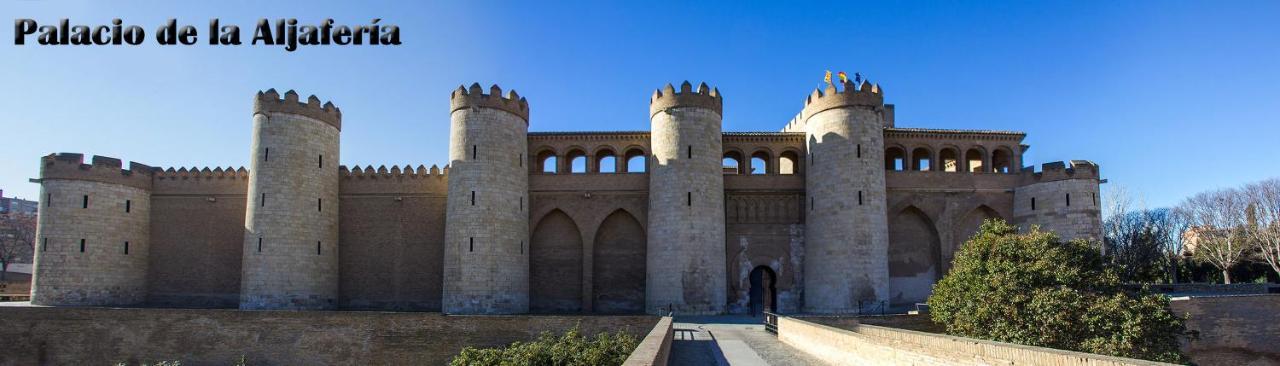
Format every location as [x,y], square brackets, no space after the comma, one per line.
[764,295]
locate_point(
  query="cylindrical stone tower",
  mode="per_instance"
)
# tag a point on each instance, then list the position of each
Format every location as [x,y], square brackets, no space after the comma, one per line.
[686,255]
[92,233]
[486,265]
[846,267]
[291,218]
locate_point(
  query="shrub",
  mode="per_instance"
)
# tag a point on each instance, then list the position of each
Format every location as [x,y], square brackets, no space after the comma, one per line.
[1034,289]
[569,349]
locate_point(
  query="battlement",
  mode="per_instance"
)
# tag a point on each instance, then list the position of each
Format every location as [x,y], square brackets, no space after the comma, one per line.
[368,172]
[103,169]
[475,97]
[1075,169]
[270,101]
[668,97]
[202,173]
[868,95]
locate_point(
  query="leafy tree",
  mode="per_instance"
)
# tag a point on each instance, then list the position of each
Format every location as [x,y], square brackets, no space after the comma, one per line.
[570,349]
[1033,289]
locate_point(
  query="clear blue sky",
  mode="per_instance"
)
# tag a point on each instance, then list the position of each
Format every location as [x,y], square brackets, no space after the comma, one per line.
[1169,97]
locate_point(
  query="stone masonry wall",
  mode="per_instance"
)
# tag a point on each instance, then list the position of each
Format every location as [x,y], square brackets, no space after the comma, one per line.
[846,230]
[1076,217]
[686,233]
[82,231]
[291,239]
[486,265]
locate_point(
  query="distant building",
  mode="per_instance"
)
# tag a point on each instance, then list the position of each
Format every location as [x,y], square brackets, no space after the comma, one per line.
[17,205]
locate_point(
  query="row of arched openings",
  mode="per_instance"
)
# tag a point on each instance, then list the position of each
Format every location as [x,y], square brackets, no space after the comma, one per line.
[760,163]
[604,161]
[974,160]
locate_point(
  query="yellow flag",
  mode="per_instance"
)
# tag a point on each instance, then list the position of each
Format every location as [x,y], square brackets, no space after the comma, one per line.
[827,78]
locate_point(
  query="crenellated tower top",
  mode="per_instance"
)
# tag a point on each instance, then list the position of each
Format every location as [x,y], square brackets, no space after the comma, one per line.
[865,95]
[667,98]
[475,97]
[103,169]
[270,101]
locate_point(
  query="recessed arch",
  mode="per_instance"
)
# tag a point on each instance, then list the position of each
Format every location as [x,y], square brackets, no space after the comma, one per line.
[760,162]
[969,224]
[915,257]
[619,259]
[789,162]
[555,265]
[636,161]
[763,294]
[547,161]
[1002,160]
[577,160]
[921,159]
[949,159]
[895,158]
[606,161]
[975,160]
[732,162]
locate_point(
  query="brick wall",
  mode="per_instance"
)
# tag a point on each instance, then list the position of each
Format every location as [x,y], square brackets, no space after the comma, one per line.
[97,336]
[1231,330]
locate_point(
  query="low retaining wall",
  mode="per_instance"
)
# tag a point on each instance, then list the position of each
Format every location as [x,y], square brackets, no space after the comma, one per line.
[102,336]
[873,345]
[1232,330]
[655,348]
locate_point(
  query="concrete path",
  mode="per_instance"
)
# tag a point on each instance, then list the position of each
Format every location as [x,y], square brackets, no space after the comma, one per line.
[731,340]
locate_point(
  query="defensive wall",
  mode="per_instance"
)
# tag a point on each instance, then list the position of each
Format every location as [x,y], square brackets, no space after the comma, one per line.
[580,217]
[101,336]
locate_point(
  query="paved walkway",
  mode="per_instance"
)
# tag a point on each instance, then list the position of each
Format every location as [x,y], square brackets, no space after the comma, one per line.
[731,340]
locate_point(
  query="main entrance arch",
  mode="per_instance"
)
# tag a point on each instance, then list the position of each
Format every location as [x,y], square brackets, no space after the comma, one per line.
[764,292]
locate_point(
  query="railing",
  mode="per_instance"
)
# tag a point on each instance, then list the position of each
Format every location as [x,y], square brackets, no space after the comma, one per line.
[771,322]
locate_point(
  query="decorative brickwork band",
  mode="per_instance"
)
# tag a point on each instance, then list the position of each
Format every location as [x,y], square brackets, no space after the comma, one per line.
[868,95]
[104,169]
[475,97]
[270,102]
[668,98]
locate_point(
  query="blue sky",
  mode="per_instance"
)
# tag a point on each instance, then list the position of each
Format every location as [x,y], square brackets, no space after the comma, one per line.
[1169,97]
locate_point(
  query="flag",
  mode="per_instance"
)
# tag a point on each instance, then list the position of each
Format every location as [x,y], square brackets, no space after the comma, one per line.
[827,78]
[844,79]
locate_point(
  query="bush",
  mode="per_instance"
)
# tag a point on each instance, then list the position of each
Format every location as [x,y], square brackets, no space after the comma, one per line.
[570,349]
[1033,289]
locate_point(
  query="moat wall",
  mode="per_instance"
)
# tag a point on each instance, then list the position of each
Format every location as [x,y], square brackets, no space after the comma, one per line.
[82,336]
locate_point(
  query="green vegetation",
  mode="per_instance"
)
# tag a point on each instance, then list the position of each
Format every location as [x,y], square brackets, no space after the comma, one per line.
[1034,289]
[569,349]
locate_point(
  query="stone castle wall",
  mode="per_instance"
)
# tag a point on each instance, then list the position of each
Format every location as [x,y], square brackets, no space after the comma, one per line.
[291,220]
[92,233]
[846,232]
[686,230]
[486,263]
[1065,201]
[569,241]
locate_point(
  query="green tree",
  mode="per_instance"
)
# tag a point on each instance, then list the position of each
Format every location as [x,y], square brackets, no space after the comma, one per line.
[1034,289]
